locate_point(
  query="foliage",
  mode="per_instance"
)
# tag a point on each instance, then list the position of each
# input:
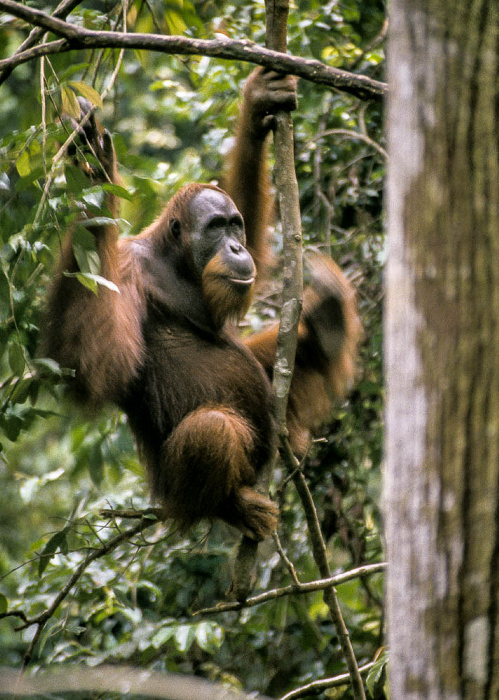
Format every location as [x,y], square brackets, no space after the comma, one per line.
[172,120]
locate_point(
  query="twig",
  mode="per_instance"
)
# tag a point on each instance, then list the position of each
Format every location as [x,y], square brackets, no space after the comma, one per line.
[372,44]
[355,135]
[323,683]
[289,210]
[230,49]
[14,613]
[51,48]
[295,589]
[289,564]
[320,196]
[131,513]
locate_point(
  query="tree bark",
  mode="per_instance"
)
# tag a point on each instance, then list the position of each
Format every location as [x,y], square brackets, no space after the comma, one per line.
[442,340]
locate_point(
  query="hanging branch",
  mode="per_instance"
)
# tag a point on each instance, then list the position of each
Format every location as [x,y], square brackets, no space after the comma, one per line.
[76,37]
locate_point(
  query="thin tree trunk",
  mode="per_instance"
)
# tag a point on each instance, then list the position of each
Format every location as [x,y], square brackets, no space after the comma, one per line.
[442,350]
[243,571]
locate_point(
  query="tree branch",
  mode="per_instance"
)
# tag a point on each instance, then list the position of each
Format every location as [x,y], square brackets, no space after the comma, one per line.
[295,589]
[228,49]
[323,684]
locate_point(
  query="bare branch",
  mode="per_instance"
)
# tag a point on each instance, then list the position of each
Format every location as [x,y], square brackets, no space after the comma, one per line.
[7,65]
[372,44]
[229,49]
[14,613]
[295,589]
[323,683]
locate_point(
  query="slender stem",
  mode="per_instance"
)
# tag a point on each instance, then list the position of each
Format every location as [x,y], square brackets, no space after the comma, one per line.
[289,564]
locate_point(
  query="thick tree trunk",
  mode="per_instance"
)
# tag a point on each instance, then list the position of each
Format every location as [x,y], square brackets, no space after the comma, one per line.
[442,350]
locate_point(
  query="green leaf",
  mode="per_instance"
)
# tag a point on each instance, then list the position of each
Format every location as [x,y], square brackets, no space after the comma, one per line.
[84,249]
[184,637]
[100,221]
[87,91]
[5,308]
[75,179]
[57,541]
[375,676]
[49,631]
[83,238]
[92,282]
[105,283]
[85,280]
[4,604]
[88,260]
[119,191]
[16,359]
[162,636]
[21,391]
[23,164]
[94,196]
[209,636]
[70,104]
[47,366]
[95,464]
[12,425]
[74,68]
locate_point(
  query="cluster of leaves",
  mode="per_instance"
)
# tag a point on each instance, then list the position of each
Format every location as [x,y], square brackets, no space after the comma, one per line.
[172,121]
